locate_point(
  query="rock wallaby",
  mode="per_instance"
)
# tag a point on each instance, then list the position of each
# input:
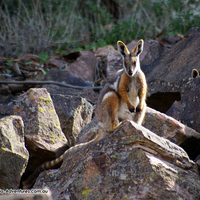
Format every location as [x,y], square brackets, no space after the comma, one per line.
[122,98]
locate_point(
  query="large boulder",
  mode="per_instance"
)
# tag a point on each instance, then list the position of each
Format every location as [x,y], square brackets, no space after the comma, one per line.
[13,154]
[190,104]
[171,71]
[69,78]
[84,66]
[169,128]
[113,59]
[87,93]
[43,134]
[133,163]
[168,74]
[74,113]
[65,77]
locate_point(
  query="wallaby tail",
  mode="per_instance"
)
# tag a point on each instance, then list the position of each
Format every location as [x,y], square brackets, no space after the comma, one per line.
[47,165]
[52,164]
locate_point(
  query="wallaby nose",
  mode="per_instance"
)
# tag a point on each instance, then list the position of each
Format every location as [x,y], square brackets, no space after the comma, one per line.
[130,72]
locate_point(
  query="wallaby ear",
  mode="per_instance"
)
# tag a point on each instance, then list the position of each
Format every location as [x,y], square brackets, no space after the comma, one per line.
[138,48]
[122,48]
[195,73]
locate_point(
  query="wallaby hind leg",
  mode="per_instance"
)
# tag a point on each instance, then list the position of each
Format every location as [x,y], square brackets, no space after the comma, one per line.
[114,108]
[107,114]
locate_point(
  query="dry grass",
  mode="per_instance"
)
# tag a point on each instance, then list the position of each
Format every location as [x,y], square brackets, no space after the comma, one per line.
[36,31]
[44,26]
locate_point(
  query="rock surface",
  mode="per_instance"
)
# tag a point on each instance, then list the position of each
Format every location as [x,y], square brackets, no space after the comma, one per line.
[43,133]
[87,93]
[172,70]
[84,67]
[55,63]
[114,59]
[66,77]
[167,127]
[190,104]
[74,113]
[175,110]
[168,74]
[88,132]
[29,57]
[13,154]
[133,163]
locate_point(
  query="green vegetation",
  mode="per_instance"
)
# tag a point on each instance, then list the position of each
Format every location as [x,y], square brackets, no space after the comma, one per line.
[43,57]
[9,63]
[44,26]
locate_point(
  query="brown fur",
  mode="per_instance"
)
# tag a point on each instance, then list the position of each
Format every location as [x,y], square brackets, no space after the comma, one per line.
[126,90]
[142,92]
[123,90]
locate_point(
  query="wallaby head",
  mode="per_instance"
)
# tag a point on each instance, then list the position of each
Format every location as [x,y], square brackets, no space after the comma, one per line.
[195,73]
[131,62]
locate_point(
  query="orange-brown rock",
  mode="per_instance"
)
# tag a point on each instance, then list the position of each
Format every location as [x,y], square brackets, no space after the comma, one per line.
[84,67]
[133,163]
[167,127]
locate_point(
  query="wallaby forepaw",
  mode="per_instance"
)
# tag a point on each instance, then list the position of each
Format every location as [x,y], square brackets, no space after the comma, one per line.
[132,109]
[138,108]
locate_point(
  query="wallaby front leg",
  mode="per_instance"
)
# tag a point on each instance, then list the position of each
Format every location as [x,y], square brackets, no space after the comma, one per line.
[113,109]
[142,92]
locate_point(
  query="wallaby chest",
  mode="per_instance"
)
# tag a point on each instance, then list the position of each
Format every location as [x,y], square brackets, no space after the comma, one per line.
[131,86]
